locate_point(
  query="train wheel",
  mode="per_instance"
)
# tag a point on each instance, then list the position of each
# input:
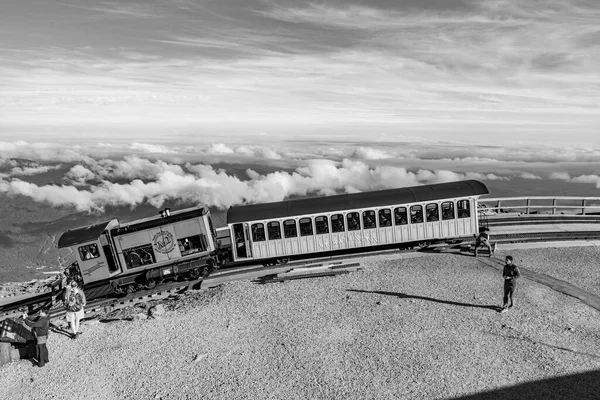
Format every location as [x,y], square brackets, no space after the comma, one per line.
[283,260]
[151,285]
[195,273]
[130,289]
[424,245]
[205,271]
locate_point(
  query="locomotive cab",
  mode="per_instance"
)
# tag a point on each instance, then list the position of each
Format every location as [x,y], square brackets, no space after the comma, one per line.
[91,247]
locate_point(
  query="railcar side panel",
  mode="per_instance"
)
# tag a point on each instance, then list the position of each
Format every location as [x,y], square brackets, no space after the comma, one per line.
[386,235]
[92,261]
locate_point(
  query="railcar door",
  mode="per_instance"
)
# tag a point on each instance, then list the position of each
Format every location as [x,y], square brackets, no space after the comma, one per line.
[107,249]
[463,209]
[242,244]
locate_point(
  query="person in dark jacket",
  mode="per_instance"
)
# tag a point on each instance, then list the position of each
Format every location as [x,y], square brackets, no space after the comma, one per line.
[510,274]
[41,326]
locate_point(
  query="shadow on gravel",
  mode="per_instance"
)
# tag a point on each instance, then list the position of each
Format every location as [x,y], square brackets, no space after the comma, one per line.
[59,330]
[408,296]
[585,385]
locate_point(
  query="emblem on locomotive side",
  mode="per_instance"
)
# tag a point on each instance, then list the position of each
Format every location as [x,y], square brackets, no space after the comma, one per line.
[163,242]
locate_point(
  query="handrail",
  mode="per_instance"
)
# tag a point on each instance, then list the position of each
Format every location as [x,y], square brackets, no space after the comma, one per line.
[554,206]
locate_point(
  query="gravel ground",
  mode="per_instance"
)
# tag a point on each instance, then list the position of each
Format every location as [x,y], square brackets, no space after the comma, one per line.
[402,328]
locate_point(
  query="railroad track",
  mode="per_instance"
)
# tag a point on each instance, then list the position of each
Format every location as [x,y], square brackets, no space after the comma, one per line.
[100,299]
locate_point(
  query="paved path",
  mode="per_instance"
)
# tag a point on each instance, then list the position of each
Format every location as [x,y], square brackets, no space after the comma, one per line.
[586,297]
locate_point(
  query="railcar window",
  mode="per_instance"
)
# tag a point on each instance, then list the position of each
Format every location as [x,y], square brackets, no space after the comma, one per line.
[385,217]
[416,214]
[274,230]
[321,225]
[463,207]
[337,223]
[89,252]
[433,212]
[353,221]
[258,233]
[306,228]
[139,256]
[400,216]
[447,210]
[190,245]
[289,229]
[369,219]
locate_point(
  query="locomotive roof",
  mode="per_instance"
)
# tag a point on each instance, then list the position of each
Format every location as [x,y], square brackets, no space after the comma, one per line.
[314,205]
[81,235]
[158,220]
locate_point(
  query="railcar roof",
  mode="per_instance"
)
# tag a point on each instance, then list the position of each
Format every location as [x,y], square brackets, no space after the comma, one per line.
[157,220]
[81,235]
[414,194]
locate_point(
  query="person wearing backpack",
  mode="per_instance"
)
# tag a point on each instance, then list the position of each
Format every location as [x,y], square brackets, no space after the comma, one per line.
[74,302]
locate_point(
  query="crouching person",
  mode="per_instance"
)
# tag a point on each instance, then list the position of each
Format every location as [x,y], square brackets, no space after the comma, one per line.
[41,327]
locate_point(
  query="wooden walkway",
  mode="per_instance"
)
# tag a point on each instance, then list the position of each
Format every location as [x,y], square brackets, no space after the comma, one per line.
[561,286]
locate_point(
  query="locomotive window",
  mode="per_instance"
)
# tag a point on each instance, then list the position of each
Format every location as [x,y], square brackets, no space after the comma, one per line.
[353,221]
[190,245]
[433,212]
[463,209]
[321,225]
[416,214]
[447,210]
[337,223]
[385,217]
[369,219]
[289,229]
[274,230]
[89,252]
[139,256]
[306,228]
[258,233]
[400,216]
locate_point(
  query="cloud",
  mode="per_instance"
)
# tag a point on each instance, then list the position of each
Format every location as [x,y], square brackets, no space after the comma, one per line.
[562,176]
[33,170]
[529,175]
[216,188]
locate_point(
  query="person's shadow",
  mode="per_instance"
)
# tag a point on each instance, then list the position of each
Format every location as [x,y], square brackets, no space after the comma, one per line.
[408,296]
[61,331]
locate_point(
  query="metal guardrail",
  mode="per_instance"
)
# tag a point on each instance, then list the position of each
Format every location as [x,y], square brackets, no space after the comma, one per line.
[542,204]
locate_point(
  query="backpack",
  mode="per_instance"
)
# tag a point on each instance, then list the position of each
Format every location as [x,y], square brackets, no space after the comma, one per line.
[74,301]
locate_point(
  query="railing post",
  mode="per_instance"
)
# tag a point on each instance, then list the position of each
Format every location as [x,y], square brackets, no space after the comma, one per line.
[553,206]
[583,207]
[527,209]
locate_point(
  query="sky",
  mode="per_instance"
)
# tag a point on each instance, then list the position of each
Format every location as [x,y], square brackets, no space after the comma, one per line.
[237,73]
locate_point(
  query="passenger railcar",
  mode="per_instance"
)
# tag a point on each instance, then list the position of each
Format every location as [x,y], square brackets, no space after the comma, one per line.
[141,253]
[408,216]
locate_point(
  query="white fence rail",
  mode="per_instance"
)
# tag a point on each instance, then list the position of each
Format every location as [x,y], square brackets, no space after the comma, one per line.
[541,205]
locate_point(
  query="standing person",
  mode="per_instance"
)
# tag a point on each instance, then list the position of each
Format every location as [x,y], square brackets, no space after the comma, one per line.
[483,239]
[510,274]
[41,326]
[74,302]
